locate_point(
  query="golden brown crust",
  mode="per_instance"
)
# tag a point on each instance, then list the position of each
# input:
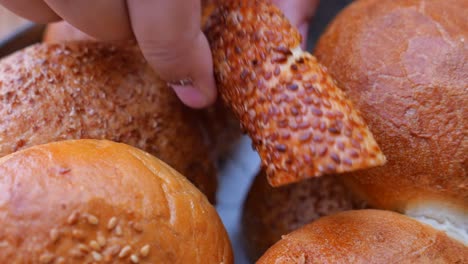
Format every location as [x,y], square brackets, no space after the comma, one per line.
[366,236]
[299,121]
[88,200]
[404,65]
[52,92]
[271,212]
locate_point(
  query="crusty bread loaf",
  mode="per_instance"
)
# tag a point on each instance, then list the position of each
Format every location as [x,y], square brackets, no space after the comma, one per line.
[52,92]
[366,236]
[404,64]
[271,212]
[91,201]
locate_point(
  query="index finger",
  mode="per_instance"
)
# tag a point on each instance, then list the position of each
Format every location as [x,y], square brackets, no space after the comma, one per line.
[169,35]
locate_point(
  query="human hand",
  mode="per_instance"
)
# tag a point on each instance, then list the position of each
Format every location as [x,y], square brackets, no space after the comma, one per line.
[167,31]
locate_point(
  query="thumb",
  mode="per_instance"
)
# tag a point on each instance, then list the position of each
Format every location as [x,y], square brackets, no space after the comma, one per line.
[299,13]
[169,35]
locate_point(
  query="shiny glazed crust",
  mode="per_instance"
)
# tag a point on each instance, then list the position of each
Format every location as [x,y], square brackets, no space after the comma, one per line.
[300,122]
[90,201]
[270,212]
[52,92]
[404,63]
[366,236]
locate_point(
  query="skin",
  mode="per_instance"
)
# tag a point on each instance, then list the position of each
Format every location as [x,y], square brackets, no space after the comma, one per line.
[167,32]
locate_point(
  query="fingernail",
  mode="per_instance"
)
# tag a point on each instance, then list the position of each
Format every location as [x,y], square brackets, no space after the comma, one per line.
[191,96]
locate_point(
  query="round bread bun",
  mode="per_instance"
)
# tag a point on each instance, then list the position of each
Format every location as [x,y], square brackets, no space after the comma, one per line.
[403,63]
[96,201]
[272,212]
[221,128]
[52,92]
[366,236]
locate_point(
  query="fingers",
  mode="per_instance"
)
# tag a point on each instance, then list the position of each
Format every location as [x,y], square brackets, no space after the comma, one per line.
[34,10]
[170,37]
[103,19]
[299,13]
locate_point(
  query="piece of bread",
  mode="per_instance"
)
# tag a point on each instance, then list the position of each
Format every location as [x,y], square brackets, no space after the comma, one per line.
[299,120]
[404,64]
[96,201]
[270,212]
[52,92]
[366,236]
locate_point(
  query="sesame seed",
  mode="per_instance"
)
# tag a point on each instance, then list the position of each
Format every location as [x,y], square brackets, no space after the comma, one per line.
[46,258]
[348,162]
[281,147]
[305,137]
[283,49]
[83,248]
[318,138]
[96,256]
[73,218]
[244,74]
[144,251]
[94,245]
[316,111]
[101,240]
[279,59]
[136,226]
[114,250]
[134,258]
[77,234]
[112,223]
[335,158]
[93,220]
[293,87]
[54,235]
[125,252]
[277,71]
[323,151]
[118,231]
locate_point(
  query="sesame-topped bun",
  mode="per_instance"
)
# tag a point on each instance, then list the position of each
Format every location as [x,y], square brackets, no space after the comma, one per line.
[404,64]
[300,122]
[52,92]
[366,236]
[221,128]
[91,201]
[270,212]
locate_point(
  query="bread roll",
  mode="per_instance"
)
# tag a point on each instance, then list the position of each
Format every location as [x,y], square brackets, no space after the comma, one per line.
[366,236]
[91,201]
[52,92]
[221,128]
[403,63]
[271,212]
[300,122]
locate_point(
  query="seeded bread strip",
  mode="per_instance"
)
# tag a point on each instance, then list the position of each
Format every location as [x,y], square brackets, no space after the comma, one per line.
[300,122]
